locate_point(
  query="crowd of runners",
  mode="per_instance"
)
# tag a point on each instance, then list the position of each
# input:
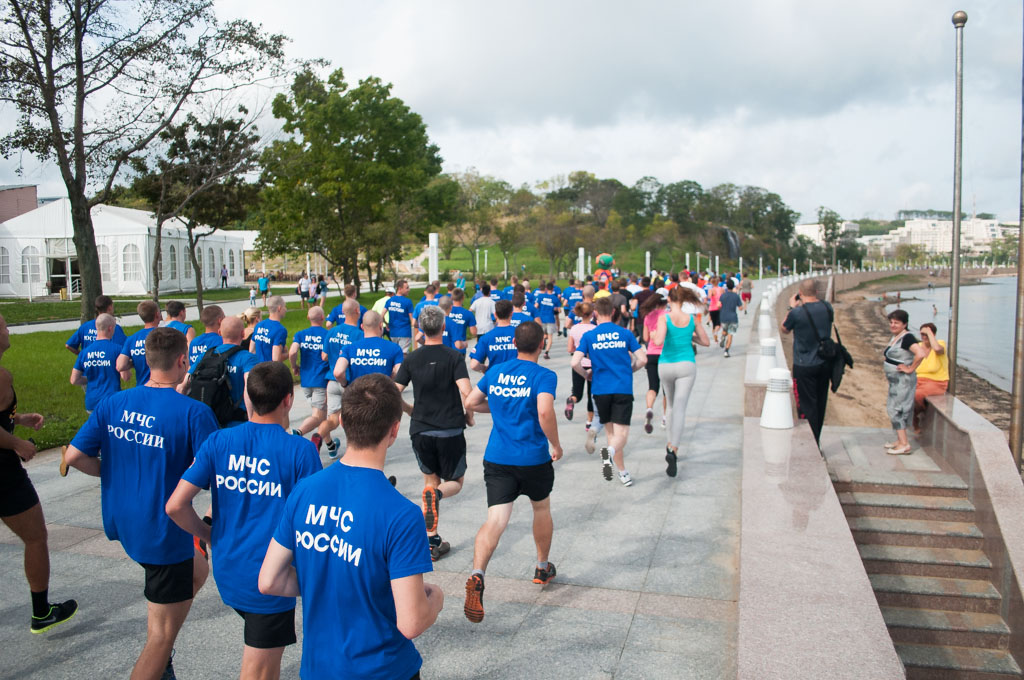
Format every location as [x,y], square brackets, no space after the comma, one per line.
[212,411]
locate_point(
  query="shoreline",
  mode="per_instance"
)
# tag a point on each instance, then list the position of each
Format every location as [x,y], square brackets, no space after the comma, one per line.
[862,325]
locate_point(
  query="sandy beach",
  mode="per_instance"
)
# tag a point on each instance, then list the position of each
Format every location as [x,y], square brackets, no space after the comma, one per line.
[865,332]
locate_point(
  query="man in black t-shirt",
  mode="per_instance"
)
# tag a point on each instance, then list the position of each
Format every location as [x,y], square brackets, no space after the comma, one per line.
[440,383]
[810,370]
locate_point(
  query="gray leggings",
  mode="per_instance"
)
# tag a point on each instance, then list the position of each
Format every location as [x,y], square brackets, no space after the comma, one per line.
[899,403]
[677,380]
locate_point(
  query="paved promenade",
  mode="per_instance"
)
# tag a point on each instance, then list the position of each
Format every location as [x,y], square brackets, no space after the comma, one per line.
[647,576]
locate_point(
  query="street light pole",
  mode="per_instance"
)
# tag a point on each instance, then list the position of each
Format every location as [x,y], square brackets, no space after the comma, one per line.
[959,19]
[1017,398]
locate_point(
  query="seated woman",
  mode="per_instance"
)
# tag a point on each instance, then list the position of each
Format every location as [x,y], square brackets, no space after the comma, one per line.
[932,373]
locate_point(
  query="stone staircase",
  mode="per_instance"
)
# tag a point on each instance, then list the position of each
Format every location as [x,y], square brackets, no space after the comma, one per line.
[922,550]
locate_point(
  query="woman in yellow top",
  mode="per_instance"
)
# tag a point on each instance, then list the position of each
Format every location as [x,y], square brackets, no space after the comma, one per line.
[932,373]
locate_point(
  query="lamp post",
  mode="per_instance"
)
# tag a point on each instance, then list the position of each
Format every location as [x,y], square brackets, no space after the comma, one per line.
[959,19]
[1017,398]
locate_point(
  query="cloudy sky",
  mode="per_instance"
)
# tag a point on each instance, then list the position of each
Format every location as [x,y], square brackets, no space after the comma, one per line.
[848,105]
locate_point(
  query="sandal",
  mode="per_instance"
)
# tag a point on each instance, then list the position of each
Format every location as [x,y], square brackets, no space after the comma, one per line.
[891,445]
[899,451]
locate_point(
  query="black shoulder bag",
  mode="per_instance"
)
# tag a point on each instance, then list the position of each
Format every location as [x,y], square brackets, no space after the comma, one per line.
[828,349]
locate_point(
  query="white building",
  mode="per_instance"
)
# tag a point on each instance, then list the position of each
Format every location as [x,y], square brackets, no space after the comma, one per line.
[815,232]
[936,236]
[37,247]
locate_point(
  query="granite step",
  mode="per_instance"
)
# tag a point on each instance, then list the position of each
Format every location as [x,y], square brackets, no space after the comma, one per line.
[930,592]
[870,480]
[912,560]
[916,532]
[938,508]
[955,629]
[957,663]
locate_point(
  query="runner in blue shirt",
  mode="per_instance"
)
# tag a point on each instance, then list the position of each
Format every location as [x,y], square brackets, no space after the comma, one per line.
[519,315]
[263,283]
[250,471]
[133,352]
[547,308]
[176,315]
[308,347]
[337,338]
[372,354]
[270,335]
[520,396]
[148,436]
[614,356]
[96,366]
[464,321]
[239,366]
[429,298]
[510,289]
[355,550]
[86,333]
[337,314]
[398,310]
[496,345]
[211,316]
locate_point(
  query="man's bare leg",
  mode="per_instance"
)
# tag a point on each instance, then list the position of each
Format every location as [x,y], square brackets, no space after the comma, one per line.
[543,528]
[162,625]
[30,527]
[489,534]
[261,664]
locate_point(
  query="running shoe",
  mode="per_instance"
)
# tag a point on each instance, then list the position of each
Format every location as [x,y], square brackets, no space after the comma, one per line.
[317,441]
[474,607]
[169,670]
[591,444]
[570,404]
[547,355]
[439,550]
[663,423]
[726,354]
[200,545]
[430,507]
[296,432]
[670,458]
[649,422]
[58,614]
[544,576]
[393,480]
[334,448]
[63,469]
[721,343]
[606,464]
[588,425]
[625,478]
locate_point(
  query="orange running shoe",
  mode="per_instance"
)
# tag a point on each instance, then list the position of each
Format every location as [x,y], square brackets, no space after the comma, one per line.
[474,608]
[430,509]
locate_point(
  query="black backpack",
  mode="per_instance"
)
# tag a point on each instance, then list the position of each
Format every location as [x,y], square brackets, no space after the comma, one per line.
[211,385]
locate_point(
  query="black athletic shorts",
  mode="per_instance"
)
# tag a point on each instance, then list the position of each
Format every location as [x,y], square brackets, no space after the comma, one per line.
[614,408]
[715,314]
[17,493]
[168,583]
[653,379]
[441,456]
[268,631]
[505,483]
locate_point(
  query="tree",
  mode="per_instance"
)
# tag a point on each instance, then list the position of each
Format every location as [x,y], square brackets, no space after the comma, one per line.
[199,179]
[831,229]
[481,200]
[355,156]
[679,201]
[1005,248]
[555,233]
[447,242]
[909,252]
[95,82]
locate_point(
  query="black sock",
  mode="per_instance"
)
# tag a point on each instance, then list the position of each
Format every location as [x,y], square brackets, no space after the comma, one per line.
[435,540]
[439,494]
[40,604]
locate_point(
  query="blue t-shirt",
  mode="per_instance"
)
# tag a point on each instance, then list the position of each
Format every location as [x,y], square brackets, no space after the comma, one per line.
[371,355]
[495,295]
[267,335]
[250,471]
[420,305]
[449,333]
[264,284]
[519,317]
[86,335]
[197,348]
[352,534]
[512,390]
[398,308]
[98,363]
[608,347]
[238,365]
[463,320]
[338,316]
[571,297]
[496,346]
[312,366]
[730,301]
[179,326]
[148,436]
[337,338]
[507,292]
[135,349]
[546,303]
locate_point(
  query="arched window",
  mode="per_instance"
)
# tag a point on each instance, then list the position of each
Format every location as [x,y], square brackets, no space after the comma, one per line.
[131,263]
[231,263]
[103,252]
[5,265]
[173,261]
[186,258]
[30,270]
[211,266]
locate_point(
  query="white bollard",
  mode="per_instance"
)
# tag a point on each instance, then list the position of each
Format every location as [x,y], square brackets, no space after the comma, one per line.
[766,360]
[776,446]
[777,412]
[764,320]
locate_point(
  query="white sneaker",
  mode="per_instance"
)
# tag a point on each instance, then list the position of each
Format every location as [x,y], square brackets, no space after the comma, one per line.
[591,442]
[625,478]
[606,464]
[333,453]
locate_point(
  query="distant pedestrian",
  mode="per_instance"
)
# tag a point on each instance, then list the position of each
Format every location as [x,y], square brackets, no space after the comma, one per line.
[728,304]
[96,366]
[223,276]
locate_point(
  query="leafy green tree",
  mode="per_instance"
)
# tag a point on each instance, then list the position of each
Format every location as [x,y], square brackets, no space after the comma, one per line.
[357,158]
[831,229]
[679,201]
[555,234]
[1005,248]
[96,81]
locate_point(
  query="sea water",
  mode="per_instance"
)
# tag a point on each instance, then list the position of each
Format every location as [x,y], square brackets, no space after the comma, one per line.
[986,324]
